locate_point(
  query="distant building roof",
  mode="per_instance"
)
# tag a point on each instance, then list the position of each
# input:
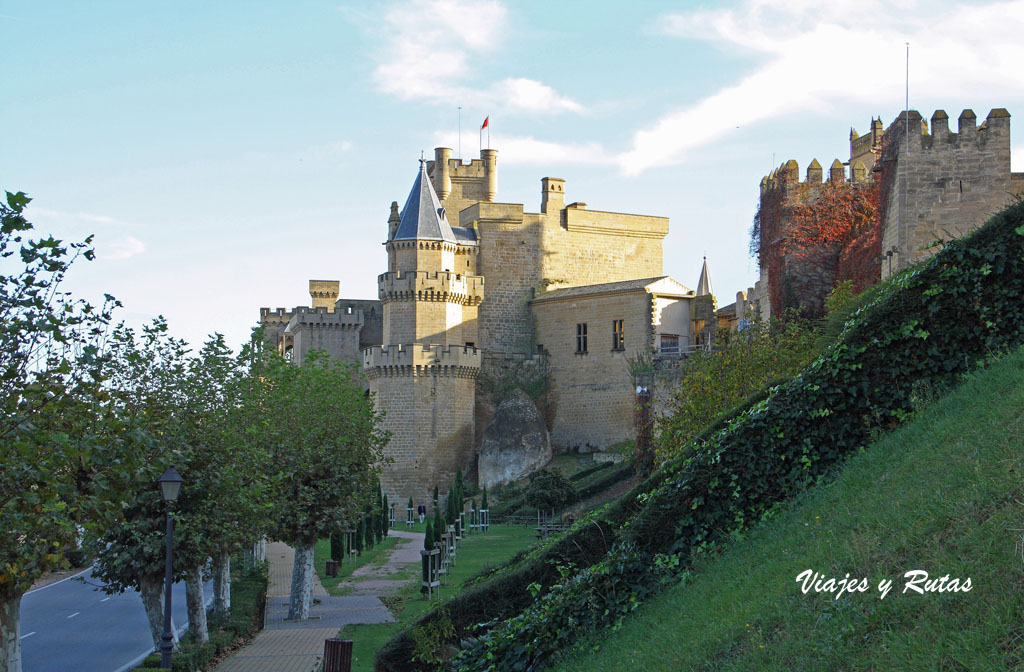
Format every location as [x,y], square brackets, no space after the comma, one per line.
[465,235]
[662,284]
[423,218]
[727,311]
[704,284]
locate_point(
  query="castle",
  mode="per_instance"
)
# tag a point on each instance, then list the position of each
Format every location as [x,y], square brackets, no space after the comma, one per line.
[932,186]
[473,286]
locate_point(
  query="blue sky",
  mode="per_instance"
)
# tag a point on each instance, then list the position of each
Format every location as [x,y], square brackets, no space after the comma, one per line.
[225,153]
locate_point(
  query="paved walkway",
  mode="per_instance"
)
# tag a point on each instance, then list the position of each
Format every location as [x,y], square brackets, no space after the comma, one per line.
[298,646]
[381,580]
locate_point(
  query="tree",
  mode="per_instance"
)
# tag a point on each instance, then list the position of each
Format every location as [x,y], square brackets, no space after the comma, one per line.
[196,411]
[145,383]
[65,459]
[325,442]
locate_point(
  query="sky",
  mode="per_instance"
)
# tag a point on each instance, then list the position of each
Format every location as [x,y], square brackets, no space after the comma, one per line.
[224,153]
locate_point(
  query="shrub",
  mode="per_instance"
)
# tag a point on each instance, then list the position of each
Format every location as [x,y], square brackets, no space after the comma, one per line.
[549,490]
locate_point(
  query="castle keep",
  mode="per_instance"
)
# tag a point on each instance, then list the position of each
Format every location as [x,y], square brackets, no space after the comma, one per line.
[472,285]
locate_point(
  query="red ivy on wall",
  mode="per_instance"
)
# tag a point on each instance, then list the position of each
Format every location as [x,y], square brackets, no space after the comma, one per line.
[810,238]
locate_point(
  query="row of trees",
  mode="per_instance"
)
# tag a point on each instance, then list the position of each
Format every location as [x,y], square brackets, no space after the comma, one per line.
[91,414]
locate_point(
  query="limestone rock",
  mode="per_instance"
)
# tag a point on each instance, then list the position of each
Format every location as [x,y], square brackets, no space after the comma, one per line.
[515,443]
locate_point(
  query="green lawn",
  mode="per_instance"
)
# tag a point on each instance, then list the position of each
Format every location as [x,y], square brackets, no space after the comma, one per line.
[943,494]
[475,552]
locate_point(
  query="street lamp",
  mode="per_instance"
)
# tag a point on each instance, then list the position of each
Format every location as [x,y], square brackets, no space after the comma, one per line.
[170,486]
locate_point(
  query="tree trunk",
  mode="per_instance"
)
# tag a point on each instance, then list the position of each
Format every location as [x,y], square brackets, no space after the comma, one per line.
[302,582]
[222,583]
[10,633]
[152,592]
[196,604]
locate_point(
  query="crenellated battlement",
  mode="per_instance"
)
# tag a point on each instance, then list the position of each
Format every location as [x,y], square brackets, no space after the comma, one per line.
[787,177]
[431,286]
[461,361]
[275,315]
[996,127]
[323,317]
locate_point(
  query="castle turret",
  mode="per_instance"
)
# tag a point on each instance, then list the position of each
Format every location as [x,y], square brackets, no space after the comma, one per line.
[423,376]
[704,282]
[324,293]
[393,220]
[704,307]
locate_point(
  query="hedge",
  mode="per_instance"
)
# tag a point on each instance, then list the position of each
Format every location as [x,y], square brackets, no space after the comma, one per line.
[928,326]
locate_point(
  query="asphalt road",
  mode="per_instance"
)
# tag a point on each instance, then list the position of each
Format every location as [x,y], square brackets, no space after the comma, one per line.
[72,625]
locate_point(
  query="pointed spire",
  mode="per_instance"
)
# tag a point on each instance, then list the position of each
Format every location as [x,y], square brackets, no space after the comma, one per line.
[423,218]
[704,284]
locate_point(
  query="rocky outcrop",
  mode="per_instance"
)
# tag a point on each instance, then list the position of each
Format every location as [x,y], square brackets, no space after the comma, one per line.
[515,443]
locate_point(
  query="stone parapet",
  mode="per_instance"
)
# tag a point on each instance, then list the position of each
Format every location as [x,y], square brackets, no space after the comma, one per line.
[461,361]
[323,317]
[430,286]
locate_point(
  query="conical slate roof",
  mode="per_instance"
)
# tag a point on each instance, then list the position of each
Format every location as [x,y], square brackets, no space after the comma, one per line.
[423,218]
[704,284]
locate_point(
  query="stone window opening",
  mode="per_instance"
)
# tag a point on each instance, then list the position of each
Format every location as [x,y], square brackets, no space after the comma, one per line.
[618,336]
[581,338]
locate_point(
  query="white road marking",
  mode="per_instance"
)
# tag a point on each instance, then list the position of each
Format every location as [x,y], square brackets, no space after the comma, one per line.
[67,578]
[74,614]
[104,599]
[28,635]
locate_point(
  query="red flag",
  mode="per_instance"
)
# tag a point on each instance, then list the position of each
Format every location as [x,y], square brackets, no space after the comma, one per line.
[486,121]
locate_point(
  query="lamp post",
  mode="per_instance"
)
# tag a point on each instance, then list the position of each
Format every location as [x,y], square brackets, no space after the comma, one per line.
[170,486]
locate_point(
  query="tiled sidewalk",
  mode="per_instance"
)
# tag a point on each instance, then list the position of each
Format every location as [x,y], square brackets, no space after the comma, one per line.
[298,646]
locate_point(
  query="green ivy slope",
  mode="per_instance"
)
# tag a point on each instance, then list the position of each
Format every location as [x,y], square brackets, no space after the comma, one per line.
[929,326]
[941,494]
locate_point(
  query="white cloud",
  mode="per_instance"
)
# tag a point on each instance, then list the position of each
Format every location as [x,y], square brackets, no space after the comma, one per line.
[821,54]
[528,150]
[430,51]
[122,248]
[76,226]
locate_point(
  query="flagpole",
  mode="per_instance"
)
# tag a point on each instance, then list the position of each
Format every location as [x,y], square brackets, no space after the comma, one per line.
[907,110]
[460,135]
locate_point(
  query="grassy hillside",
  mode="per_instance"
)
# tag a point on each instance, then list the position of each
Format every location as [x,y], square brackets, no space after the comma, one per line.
[941,494]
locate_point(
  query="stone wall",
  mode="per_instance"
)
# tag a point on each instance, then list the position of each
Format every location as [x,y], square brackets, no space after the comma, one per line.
[947,184]
[430,417]
[509,260]
[593,392]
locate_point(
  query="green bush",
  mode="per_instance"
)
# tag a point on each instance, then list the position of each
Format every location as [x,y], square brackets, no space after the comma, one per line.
[925,328]
[549,490]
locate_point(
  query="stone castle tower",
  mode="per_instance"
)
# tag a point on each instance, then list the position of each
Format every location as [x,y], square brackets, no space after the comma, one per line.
[423,376]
